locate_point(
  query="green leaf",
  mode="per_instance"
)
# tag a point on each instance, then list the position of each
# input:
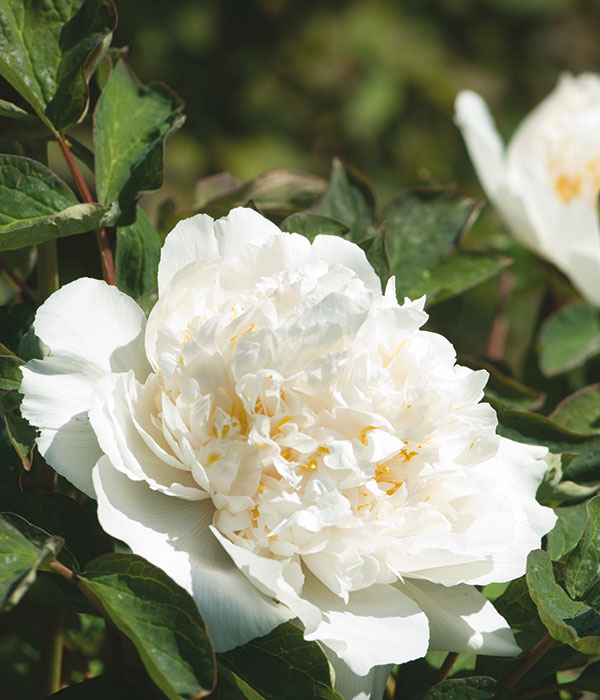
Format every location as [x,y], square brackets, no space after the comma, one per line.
[37,206]
[294,664]
[568,621]
[100,688]
[160,618]
[580,412]
[138,253]
[312,225]
[20,433]
[19,560]
[555,490]
[61,516]
[232,687]
[15,321]
[214,187]
[568,338]
[376,253]
[48,49]
[423,226]
[583,565]
[349,200]
[473,688]
[131,123]
[278,192]
[567,531]
[10,369]
[516,606]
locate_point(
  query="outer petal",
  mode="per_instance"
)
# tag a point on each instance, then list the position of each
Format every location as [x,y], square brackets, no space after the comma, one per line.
[333,249]
[91,330]
[461,619]
[353,687]
[175,535]
[376,627]
[191,240]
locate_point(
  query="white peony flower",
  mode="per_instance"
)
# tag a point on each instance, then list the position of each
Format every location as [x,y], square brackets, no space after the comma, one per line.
[545,185]
[285,443]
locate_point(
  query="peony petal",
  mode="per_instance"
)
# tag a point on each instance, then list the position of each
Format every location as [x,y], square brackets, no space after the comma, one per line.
[334,249]
[353,687]
[175,535]
[241,227]
[192,240]
[461,619]
[56,399]
[90,320]
[376,627]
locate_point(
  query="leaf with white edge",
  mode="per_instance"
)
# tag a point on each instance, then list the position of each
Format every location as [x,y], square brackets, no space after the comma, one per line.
[568,338]
[312,225]
[160,618]
[10,369]
[19,560]
[473,688]
[131,123]
[20,433]
[48,50]
[138,253]
[37,206]
[583,565]
[299,666]
[555,490]
[568,621]
[13,111]
[580,412]
[567,531]
[517,608]
[349,200]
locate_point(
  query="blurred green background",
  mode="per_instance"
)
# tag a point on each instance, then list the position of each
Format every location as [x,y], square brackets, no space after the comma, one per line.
[291,83]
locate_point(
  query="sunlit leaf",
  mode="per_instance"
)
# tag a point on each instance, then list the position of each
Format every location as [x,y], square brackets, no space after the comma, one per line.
[583,565]
[20,433]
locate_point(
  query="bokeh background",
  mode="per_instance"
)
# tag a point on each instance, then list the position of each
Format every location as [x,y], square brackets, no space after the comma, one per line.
[291,83]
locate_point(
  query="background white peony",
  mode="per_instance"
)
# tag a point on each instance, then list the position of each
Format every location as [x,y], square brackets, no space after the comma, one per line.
[545,185]
[286,443]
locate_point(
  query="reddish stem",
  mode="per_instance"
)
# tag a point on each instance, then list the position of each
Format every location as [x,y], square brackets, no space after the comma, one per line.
[106,256]
[530,658]
[446,667]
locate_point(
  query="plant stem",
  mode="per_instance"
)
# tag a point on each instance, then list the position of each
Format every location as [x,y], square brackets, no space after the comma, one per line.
[47,269]
[51,650]
[106,256]
[530,658]
[446,667]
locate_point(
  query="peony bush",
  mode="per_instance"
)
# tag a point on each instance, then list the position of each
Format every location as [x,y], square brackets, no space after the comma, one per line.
[298,442]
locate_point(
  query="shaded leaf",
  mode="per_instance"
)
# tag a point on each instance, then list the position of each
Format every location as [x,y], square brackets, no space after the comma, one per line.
[13,111]
[423,226]
[138,253]
[20,433]
[583,565]
[48,49]
[350,200]
[500,387]
[567,531]
[15,321]
[131,123]
[62,516]
[312,225]
[473,688]
[232,687]
[100,688]
[160,618]
[516,606]
[580,412]
[36,205]
[376,253]
[554,490]
[19,560]
[568,338]
[213,187]
[294,664]
[278,192]
[568,621]
[10,369]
